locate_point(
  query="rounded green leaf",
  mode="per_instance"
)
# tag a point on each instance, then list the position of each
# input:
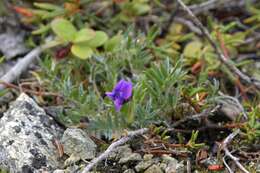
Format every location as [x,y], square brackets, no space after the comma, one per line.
[192,49]
[113,43]
[84,35]
[141,8]
[99,39]
[81,51]
[63,29]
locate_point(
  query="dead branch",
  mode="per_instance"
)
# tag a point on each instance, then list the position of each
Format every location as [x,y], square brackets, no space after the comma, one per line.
[188,165]
[213,4]
[188,24]
[205,6]
[225,60]
[228,153]
[20,66]
[113,146]
[198,9]
[227,166]
[24,63]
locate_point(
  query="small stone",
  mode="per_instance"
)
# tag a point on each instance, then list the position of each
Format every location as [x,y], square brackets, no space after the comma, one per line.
[77,142]
[120,152]
[130,158]
[59,171]
[154,169]
[169,160]
[143,165]
[12,44]
[129,171]
[163,166]
[73,168]
[180,167]
[173,168]
[258,168]
[148,156]
[230,110]
[172,165]
[72,159]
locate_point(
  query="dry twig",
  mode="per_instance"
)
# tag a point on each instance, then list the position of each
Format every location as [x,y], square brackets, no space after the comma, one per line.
[225,60]
[188,165]
[228,153]
[24,63]
[213,4]
[113,146]
[20,66]
[188,24]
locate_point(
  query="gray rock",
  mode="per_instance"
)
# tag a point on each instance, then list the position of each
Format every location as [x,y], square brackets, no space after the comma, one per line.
[143,165]
[231,111]
[163,166]
[77,142]
[257,167]
[120,152]
[153,169]
[12,44]
[26,138]
[129,171]
[148,157]
[180,167]
[71,169]
[130,158]
[173,165]
[59,171]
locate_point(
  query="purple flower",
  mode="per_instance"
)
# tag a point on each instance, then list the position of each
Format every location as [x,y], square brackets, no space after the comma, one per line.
[121,93]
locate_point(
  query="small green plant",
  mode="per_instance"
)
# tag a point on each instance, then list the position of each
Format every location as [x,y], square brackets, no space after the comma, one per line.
[252,127]
[131,9]
[192,142]
[164,82]
[84,41]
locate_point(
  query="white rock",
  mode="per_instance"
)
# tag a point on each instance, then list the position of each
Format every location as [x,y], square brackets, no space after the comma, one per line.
[26,138]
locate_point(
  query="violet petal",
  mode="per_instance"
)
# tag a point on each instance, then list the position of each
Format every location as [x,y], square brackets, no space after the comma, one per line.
[111,95]
[127,90]
[118,104]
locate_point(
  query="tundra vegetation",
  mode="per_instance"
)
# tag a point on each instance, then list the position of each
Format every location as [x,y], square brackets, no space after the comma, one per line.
[188,70]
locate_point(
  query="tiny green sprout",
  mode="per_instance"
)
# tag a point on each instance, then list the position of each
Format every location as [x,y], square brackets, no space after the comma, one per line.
[252,127]
[192,142]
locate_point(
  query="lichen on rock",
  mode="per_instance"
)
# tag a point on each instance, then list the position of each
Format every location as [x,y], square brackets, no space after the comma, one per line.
[26,138]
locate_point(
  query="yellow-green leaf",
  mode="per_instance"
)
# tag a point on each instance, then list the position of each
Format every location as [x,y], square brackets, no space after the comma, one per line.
[81,51]
[99,39]
[63,29]
[42,29]
[141,8]
[192,49]
[47,6]
[84,35]
[113,43]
